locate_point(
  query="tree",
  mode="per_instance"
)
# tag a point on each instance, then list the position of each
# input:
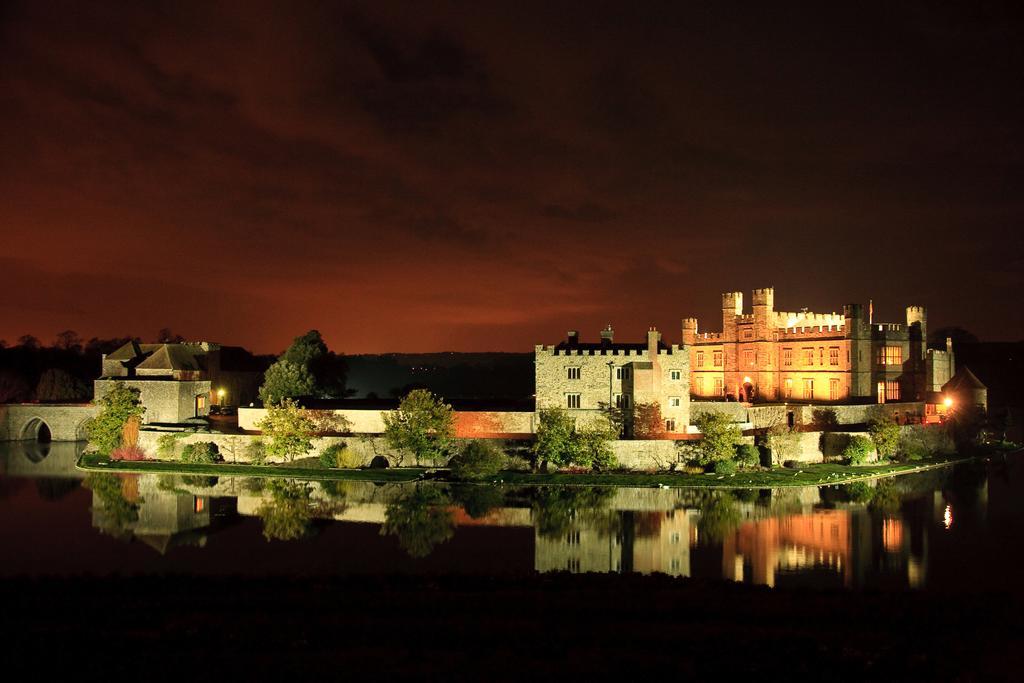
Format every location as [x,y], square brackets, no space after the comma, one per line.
[28,341]
[13,386]
[423,425]
[555,443]
[289,430]
[478,460]
[69,341]
[720,436]
[885,434]
[858,450]
[166,336]
[56,384]
[647,421]
[120,404]
[719,516]
[420,519]
[593,446]
[285,380]
[783,443]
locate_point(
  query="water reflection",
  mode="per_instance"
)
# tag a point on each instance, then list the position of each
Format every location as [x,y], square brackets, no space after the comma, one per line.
[863,534]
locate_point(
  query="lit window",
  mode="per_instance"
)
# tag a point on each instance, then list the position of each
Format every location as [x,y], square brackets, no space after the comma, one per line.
[789,388]
[833,390]
[698,387]
[670,425]
[700,359]
[675,374]
[673,401]
[890,355]
[787,356]
[574,373]
[748,358]
[718,386]
[808,355]
[892,390]
[198,503]
[572,400]
[808,388]
[718,359]
[833,355]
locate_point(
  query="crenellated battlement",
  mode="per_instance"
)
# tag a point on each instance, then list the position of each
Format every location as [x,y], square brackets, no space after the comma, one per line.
[789,320]
[811,332]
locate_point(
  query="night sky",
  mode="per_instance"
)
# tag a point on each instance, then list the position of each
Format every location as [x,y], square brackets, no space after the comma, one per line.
[477,176]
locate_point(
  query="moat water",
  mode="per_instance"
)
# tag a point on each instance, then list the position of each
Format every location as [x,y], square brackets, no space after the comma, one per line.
[954,528]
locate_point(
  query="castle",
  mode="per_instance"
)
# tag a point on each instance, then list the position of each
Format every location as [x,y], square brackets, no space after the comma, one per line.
[764,355]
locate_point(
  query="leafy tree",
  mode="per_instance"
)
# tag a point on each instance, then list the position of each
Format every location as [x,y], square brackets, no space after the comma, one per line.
[286,516]
[782,442]
[289,430]
[748,456]
[120,404]
[477,460]
[556,508]
[256,451]
[28,341]
[728,467]
[617,418]
[423,425]
[593,447]
[857,450]
[200,453]
[885,434]
[555,441]
[420,519]
[648,422]
[56,384]
[720,436]
[284,380]
[13,386]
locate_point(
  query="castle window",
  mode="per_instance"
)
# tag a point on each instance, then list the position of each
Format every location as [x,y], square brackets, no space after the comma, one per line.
[673,401]
[573,564]
[622,372]
[892,390]
[698,387]
[748,358]
[670,425]
[787,357]
[747,333]
[622,400]
[573,537]
[574,373]
[718,359]
[198,503]
[890,355]
[789,388]
[808,388]
[700,359]
[718,386]
[675,375]
[821,355]
[833,355]
[833,390]
[572,400]
[808,355]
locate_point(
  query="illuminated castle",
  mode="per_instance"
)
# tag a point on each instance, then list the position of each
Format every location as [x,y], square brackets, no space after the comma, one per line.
[822,357]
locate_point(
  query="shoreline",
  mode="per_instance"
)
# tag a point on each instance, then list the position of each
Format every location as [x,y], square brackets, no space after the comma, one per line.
[812,474]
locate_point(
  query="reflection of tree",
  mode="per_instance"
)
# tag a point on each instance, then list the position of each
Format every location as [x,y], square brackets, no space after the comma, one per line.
[476,499]
[116,512]
[556,508]
[287,514]
[719,516]
[420,519]
[887,497]
[56,488]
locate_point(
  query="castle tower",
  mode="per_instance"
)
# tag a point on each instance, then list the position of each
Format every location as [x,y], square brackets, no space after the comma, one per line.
[764,306]
[858,335]
[917,326]
[732,306]
[689,331]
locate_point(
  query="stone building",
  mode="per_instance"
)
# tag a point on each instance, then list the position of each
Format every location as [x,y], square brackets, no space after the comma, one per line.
[821,357]
[582,377]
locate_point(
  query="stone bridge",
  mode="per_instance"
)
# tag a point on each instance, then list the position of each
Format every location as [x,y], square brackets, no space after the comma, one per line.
[44,421]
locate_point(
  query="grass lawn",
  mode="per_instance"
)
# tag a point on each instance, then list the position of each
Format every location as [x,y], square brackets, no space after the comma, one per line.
[299,470]
[811,474]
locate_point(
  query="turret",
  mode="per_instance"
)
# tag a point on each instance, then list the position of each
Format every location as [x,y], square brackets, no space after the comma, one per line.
[653,337]
[732,306]
[607,335]
[764,306]
[917,327]
[689,331]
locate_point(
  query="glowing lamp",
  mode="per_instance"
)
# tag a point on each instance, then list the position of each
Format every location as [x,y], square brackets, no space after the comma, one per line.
[746,380]
[948,402]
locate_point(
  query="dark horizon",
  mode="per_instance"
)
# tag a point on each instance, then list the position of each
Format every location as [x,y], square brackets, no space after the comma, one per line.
[462,178]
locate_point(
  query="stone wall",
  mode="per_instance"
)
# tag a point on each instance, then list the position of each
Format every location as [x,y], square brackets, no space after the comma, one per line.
[468,424]
[165,400]
[66,422]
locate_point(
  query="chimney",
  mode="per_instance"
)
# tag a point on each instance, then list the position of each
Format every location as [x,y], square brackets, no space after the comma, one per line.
[574,337]
[607,335]
[653,337]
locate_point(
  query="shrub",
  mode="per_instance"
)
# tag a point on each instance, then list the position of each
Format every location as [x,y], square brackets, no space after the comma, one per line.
[289,429]
[200,453]
[117,407]
[885,434]
[329,457]
[167,445]
[783,443]
[256,452]
[748,456]
[725,467]
[791,464]
[858,450]
[719,437]
[127,453]
[478,460]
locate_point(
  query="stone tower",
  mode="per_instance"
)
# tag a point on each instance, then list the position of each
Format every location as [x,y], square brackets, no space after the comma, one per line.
[689,331]
[858,332]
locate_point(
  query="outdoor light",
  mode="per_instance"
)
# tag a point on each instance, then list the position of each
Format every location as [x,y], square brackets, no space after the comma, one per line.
[746,380]
[948,402]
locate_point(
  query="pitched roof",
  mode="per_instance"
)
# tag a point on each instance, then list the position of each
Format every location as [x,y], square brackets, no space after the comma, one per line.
[171,357]
[964,379]
[132,350]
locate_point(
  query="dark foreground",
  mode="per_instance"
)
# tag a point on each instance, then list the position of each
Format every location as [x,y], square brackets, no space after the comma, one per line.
[468,628]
